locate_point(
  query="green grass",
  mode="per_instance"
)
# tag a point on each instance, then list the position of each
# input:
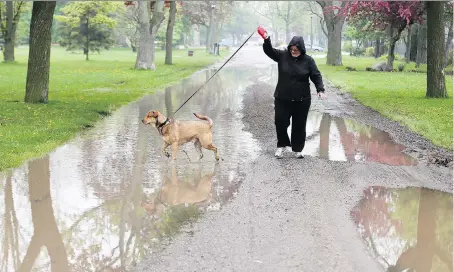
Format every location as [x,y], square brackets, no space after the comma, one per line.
[81,92]
[399,96]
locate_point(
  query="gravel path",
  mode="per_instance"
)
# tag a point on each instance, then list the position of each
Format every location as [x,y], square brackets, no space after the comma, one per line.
[294,215]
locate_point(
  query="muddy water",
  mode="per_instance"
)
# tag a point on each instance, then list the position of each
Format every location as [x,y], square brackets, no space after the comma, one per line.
[109,198]
[340,139]
[409,228]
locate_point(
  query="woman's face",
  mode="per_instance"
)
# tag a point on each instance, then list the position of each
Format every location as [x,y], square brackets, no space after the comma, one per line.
[294,51]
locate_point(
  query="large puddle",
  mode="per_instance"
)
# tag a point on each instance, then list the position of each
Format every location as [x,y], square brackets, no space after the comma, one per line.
[340,139]
[109,198]
[407,229]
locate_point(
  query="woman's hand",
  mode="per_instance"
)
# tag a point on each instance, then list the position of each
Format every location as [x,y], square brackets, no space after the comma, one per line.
[262,32]
[321,95]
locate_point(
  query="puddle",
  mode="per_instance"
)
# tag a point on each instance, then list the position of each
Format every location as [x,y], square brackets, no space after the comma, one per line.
[339,139]
[407,229]
[107,199]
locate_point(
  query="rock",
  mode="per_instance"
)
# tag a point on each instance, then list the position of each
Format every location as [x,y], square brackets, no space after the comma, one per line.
[381,66]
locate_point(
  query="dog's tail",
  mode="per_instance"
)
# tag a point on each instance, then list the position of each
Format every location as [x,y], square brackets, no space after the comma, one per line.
[206,118]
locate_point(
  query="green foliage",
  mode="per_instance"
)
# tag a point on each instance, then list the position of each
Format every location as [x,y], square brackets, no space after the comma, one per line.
[370,51]
[358,51]
[348,47]
[23,26]
[384,57]
[401,99]
[87,20]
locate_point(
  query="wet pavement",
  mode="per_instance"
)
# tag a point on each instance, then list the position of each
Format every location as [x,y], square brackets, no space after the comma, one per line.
[110,201]
[408,228]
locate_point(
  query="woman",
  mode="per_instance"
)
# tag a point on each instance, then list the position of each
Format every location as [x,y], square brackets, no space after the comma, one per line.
[292,97]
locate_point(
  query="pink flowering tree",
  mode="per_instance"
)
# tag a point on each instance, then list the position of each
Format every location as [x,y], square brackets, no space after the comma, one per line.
[392,17]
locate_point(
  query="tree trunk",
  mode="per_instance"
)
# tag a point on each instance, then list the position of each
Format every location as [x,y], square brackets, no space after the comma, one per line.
[334,25]
[421,55]
[169,34]
[382,46]
[143,60]
[394,36]
[8,54]
[414,42]
[87,41]
[408,46]
[37,85]
[377,47]
[155,23]
[334,56]
[435,45]
[276,40]
[448,44]
[287,32]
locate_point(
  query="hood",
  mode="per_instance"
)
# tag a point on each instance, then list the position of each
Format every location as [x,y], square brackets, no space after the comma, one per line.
[299,42]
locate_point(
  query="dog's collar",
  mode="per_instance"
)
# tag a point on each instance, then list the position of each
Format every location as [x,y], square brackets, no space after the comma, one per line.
[161,126]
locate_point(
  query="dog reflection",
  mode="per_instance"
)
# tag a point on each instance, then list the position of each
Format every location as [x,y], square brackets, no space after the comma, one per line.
[175,192]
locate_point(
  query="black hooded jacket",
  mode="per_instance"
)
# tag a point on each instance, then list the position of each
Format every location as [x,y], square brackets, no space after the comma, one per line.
[294,73]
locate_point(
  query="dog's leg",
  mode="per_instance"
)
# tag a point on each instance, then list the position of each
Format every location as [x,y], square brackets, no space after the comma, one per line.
[163,149]
[174,151]
[198,147]
[214,149]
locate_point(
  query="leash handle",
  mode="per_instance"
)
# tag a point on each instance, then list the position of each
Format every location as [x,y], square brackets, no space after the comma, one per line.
[214,73]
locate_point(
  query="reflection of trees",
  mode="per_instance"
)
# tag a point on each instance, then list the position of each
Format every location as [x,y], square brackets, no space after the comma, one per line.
[386,221]
[45,231]
[420,257]
[359,139]
[11,229]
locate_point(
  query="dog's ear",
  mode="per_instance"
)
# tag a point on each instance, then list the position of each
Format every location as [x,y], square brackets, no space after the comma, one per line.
[154,114]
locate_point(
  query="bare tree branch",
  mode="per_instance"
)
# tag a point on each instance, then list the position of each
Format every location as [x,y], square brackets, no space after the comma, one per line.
[322,24]
[312,11]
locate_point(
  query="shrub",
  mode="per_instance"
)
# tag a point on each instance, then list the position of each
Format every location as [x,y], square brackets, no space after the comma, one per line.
[370,51]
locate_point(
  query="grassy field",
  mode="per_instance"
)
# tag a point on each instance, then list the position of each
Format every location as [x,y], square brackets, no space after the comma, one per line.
[399,96]
[81,92]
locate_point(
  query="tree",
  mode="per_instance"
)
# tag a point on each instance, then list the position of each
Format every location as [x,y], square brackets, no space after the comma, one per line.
[334,20]
[158,17]
[421,47]
[37,85]
[9,18]
[87,26]
[393,17]
[285,14]
[436,86]
[169,33]
[206,13]
[243,21]
[128,25]
[143,61]
[449,21]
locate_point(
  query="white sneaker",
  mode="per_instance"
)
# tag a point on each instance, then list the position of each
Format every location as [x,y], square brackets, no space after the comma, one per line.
[279,152]
[299,155]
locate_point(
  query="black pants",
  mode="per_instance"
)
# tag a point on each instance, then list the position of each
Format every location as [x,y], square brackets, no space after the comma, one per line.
[298,110]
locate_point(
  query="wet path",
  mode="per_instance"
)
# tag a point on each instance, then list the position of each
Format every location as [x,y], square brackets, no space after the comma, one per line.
[109,201]
[108,198]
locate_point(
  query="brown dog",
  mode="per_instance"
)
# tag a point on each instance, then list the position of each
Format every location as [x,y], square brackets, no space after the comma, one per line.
[175,133]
